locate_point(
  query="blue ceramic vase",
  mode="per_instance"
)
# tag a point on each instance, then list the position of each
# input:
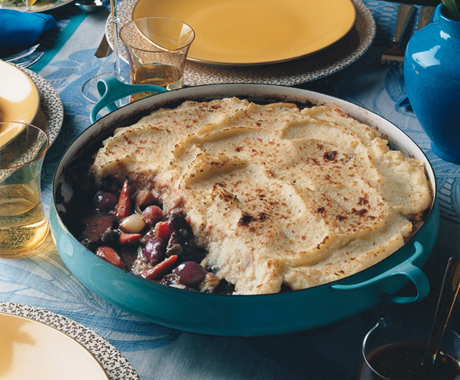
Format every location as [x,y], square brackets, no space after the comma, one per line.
[432,79]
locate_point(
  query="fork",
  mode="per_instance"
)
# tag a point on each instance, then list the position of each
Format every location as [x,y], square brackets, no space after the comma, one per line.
[22,54]
[31,61]
[395,54]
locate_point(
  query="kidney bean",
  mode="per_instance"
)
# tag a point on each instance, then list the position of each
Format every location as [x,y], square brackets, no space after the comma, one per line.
[154,250]
[152,215]
[105,201]
[190,273]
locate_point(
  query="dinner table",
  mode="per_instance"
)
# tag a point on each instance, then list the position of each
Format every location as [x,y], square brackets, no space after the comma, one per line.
[39,285]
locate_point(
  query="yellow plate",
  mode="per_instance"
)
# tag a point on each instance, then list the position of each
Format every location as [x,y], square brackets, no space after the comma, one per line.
[19,100]
[19,96]
[33,350]
[254,32]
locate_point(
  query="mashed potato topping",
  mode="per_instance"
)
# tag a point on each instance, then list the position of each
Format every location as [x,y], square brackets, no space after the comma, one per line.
[275,194]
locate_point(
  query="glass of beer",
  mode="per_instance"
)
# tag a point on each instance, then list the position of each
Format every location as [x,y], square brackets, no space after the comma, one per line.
[23,224]
[157,50]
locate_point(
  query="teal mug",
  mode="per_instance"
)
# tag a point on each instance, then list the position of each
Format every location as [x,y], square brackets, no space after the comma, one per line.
[111,89]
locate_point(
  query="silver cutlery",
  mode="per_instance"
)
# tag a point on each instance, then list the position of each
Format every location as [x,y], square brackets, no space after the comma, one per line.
[30,62]
[425,16]
[22,54]
[395,54]
[449,291]
[103,49]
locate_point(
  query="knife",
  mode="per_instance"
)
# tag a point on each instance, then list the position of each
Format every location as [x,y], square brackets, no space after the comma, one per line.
[425,16]
[104,49]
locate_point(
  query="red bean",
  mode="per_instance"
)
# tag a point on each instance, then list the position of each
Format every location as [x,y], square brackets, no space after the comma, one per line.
[152,215]
[190,273]
[154,250]
[105,201]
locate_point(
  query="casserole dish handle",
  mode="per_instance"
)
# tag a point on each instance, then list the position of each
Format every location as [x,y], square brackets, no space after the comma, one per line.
[111,89]
[406,269]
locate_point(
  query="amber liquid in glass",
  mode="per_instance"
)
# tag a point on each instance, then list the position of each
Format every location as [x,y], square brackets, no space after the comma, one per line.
[23,224]
[166,76]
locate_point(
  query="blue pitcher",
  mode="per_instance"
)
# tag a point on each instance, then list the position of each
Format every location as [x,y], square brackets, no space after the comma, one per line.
[432,79]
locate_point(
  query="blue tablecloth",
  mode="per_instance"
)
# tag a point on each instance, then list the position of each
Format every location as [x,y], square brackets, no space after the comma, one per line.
[156,352]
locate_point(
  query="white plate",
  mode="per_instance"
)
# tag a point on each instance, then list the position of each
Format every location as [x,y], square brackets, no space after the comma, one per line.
[34,350]
[41,325]
[303,70]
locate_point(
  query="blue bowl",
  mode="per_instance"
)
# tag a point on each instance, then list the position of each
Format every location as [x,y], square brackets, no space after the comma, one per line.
[244,315]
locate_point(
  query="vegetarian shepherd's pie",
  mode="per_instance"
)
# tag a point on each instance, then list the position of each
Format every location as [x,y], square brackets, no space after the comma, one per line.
[263,198]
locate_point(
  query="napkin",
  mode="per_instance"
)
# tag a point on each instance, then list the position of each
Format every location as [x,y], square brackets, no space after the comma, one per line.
[22,28]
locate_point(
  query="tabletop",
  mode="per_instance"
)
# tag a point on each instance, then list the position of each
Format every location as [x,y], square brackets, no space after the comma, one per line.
[41,280]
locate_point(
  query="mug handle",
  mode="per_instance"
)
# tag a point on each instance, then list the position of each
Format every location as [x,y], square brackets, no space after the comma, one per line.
[111,89]
[406,269]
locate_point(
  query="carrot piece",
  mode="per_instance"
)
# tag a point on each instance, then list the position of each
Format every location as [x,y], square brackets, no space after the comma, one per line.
[162,230]
[126,238]
[110,255]
[160,268]
[123,208]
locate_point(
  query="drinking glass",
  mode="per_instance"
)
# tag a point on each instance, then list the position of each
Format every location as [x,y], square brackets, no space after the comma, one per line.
[157,50]
[23,225]
[28,5]
[89,89]
[395,349]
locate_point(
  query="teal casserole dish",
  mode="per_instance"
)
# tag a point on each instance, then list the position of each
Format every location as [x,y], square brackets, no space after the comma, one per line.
[243,315]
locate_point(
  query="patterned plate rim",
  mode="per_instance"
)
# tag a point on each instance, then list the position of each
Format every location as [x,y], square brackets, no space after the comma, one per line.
[114,363]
